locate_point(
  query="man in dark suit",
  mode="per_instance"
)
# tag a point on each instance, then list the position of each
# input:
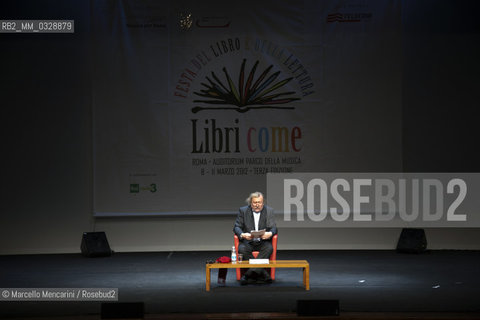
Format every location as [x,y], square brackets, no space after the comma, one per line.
[255,216]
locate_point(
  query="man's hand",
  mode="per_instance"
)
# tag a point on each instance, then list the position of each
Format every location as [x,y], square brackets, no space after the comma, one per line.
[247,236]
[267,235]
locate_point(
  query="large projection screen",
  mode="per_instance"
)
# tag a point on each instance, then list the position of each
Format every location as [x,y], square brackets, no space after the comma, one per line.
[195,101]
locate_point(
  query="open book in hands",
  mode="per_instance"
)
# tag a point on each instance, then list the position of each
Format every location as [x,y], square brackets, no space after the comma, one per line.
[257,234]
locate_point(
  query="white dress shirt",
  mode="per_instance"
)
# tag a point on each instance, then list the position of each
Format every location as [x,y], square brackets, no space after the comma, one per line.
[256,217]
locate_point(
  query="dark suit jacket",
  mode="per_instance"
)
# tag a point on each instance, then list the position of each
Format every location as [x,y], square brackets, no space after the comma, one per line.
[246,223]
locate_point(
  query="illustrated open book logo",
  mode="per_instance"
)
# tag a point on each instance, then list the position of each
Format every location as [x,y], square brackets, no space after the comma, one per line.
[248,93]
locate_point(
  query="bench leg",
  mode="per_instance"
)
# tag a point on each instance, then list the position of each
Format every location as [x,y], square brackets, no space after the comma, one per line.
[306,277]
[207,278]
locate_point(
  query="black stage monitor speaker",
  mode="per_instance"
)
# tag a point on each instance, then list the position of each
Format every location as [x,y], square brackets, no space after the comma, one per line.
[318,308]
[412,241]
[122,310]
[95,244]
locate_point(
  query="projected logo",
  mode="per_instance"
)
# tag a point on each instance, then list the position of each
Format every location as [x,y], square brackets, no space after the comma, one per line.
[136,188]
[348,17]
[267,91]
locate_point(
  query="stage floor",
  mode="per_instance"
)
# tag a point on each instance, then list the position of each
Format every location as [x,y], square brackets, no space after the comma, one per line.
[174,282]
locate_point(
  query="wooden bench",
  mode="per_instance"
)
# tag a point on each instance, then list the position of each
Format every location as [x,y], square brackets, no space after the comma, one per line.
[273,264]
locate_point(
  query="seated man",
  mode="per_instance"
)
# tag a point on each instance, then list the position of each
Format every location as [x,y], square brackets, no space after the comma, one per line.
[255,216]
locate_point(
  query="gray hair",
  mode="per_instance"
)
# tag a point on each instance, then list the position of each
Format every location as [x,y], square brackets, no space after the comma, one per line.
[255,194]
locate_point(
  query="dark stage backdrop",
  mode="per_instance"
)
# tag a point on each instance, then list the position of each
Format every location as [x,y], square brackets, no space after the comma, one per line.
[195,101]
[46,97]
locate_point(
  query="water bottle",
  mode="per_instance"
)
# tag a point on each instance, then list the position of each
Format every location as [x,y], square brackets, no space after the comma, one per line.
[234,255]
